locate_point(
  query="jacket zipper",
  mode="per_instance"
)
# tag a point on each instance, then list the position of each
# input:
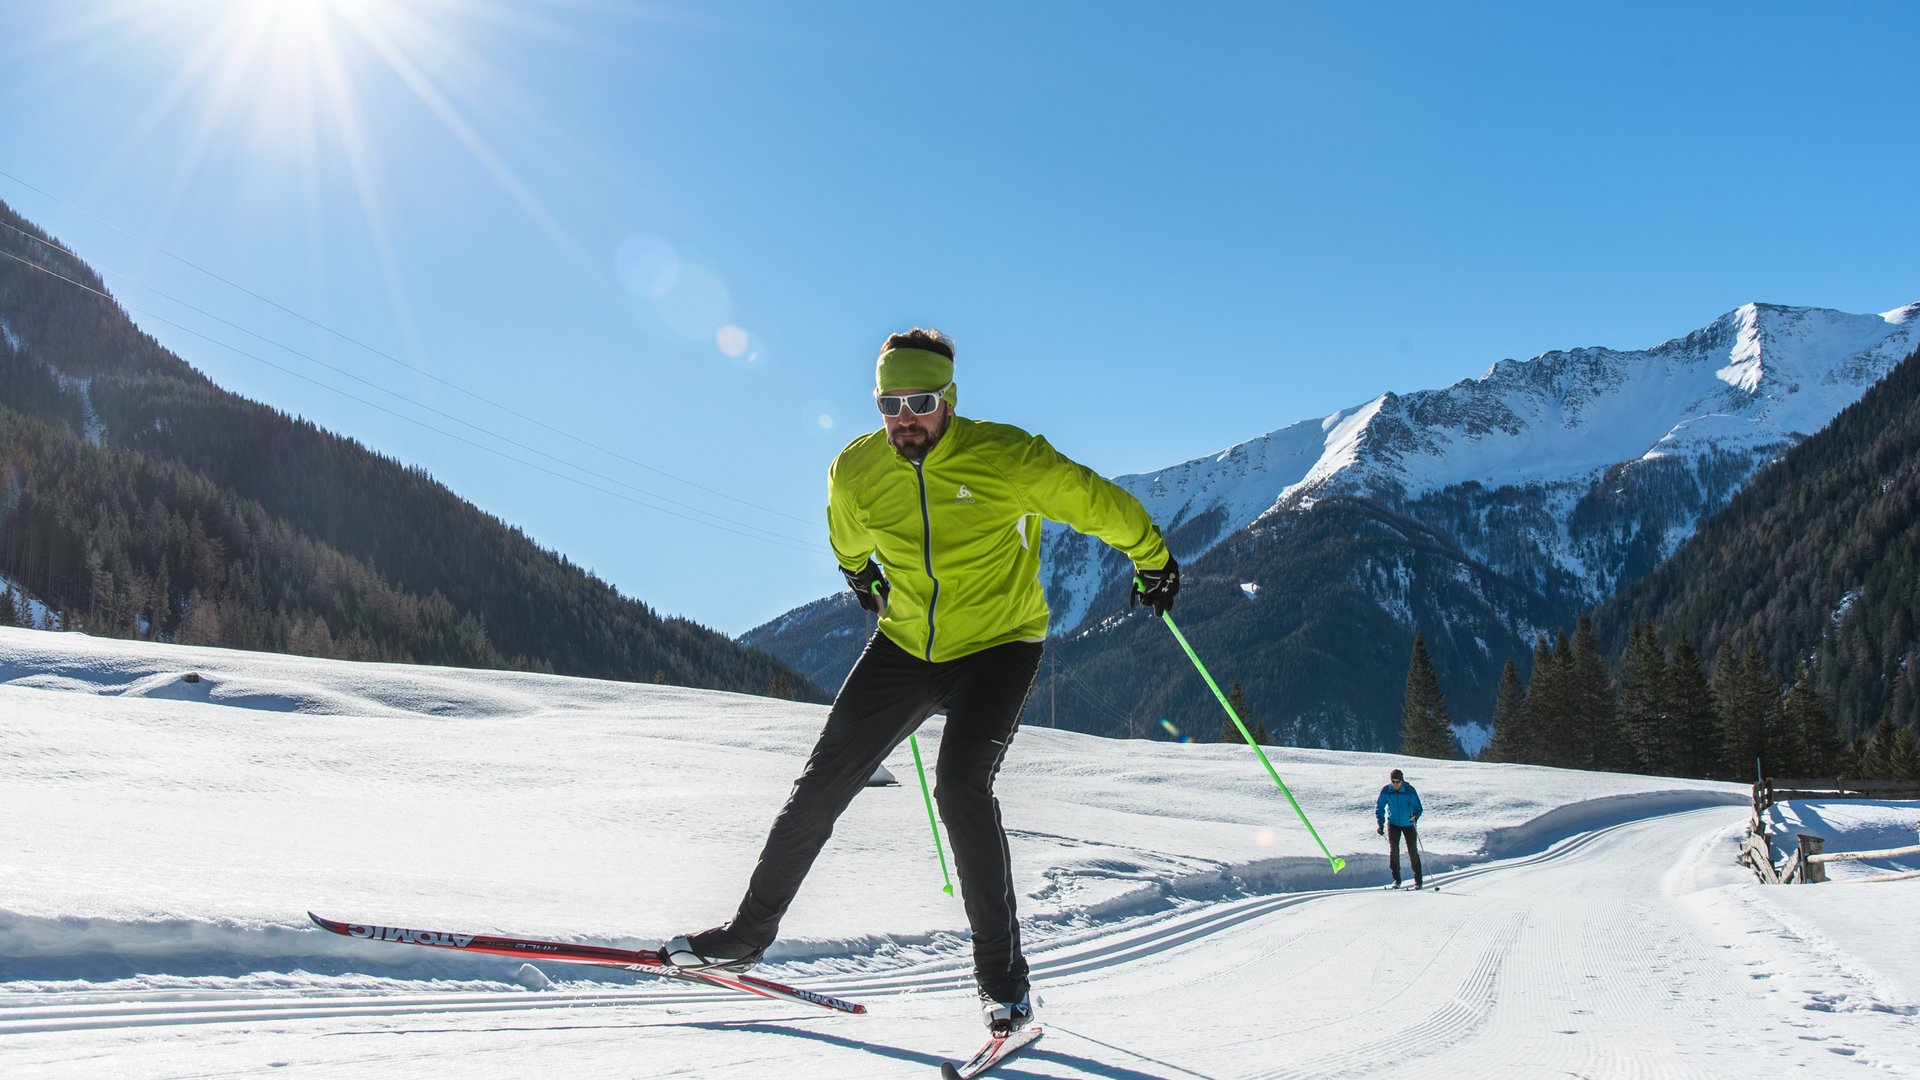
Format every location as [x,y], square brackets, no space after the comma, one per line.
[926,553]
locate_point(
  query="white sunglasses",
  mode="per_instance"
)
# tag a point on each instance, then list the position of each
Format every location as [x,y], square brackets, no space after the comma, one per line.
[919,404]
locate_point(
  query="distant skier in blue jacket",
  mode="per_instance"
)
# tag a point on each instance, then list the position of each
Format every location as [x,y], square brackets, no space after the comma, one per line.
[1398,808]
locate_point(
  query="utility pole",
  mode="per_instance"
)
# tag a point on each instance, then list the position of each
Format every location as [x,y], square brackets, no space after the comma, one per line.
[1053,690]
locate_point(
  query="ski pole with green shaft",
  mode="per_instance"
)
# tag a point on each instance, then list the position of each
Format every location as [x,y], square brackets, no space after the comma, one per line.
[1336,862]
[925,794]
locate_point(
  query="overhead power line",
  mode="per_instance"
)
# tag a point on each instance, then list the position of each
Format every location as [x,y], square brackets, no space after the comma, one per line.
[373,385]
[764,536]
[396,360]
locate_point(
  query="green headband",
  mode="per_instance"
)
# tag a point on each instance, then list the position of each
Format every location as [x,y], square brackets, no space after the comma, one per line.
[914,369]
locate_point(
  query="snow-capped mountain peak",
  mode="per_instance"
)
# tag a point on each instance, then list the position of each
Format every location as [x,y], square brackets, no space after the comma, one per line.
[1752,382]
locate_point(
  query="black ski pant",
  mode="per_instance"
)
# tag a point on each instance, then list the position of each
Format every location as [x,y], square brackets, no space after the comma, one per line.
[889,693]
[1394,833]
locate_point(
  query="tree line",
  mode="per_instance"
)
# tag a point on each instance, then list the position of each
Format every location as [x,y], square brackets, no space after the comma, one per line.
[1659,711]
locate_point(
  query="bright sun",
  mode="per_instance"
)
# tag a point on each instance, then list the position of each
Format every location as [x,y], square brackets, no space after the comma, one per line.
[341,93]
[288,67]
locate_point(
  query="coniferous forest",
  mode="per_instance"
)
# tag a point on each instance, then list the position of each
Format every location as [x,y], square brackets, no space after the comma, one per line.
[1778,641]
[138,499]
[1816,564]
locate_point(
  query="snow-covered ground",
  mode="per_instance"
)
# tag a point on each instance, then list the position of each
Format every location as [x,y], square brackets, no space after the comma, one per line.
[161,841]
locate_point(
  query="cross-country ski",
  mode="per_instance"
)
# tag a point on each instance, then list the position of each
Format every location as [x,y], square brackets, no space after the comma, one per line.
[646,960]
[995,1050]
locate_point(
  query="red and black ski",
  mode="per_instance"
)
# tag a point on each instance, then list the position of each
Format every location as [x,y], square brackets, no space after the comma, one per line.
[644,960]
[996,1050]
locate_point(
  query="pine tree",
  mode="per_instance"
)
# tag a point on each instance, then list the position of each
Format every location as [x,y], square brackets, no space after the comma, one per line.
[1876,757]
[1509,742]
[1748,699]
[1764,692]
[1903,760]
[1426,730]
[1641,705]
[1542,703]
[1550,708]
[1237,699]
[1816,746]
[9,609]
[1598,742]
[1695,719]
[1781,741]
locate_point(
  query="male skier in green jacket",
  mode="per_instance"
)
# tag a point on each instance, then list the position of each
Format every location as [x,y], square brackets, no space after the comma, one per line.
[952,508]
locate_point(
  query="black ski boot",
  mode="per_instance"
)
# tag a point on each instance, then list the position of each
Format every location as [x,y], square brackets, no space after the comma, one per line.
[712,950]
[1006,1017]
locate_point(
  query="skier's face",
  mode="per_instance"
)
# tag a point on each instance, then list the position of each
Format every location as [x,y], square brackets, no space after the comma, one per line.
[912,434]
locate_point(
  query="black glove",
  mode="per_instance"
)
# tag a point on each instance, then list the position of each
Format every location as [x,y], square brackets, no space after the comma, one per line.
[1380,829]
[1155,588]
[869,586]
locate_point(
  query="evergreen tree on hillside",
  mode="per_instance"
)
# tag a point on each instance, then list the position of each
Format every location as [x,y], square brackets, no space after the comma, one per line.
[1598,742]
[1694,717]
[1546,704]
[1816,746]
[1890,753]
[9,610]
[1876,755]
[1748,699]
[1643,703]
[1426,730]
[1510,735]
[1237,697]
[1903,760]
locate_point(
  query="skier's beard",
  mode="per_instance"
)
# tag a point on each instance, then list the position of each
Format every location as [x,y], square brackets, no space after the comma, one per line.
[915,441]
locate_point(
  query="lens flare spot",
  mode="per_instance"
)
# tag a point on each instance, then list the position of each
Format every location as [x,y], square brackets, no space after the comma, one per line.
[647,265]
[733,342]
[825,422]
[1264,838]
[697,302]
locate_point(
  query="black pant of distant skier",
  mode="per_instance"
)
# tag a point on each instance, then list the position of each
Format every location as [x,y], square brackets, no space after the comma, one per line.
[1394,833]
[887,696]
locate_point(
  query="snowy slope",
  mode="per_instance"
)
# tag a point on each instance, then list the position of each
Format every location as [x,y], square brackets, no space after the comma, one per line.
[163,838]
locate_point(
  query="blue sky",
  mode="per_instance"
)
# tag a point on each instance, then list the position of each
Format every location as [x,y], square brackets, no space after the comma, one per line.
[646,252]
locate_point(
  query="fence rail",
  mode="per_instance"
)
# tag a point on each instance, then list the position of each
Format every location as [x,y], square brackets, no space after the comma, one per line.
[1807,864]
[1855,856]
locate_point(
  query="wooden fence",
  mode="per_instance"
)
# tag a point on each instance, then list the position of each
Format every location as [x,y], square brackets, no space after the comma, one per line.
[1808,862]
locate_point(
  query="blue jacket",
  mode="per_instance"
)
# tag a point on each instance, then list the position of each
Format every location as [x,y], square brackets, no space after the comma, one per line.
[1397,807]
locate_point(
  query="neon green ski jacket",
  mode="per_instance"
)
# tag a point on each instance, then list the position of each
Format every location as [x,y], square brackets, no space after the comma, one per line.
[959,533]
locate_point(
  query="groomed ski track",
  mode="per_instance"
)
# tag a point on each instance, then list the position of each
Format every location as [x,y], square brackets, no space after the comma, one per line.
[1574,961]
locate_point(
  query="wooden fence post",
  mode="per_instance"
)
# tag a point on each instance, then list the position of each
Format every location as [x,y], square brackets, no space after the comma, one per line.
[1812,872]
